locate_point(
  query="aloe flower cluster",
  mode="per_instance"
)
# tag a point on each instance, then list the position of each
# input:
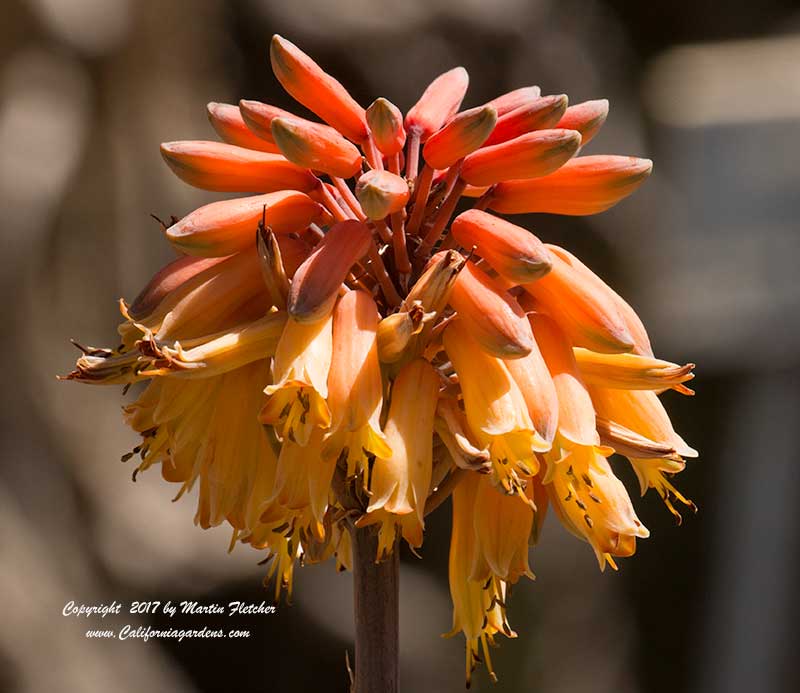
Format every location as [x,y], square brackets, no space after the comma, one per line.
[363,336]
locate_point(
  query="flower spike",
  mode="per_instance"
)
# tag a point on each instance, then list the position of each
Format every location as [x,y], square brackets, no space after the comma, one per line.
[343,348]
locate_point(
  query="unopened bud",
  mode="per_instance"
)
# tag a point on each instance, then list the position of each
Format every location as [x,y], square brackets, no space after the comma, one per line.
[386,124]
[514,99]
[511,250]
[317,281]
[432,289]
[531,155]
[587,118]
[395,332]
[494,318]
[539,114]
[381,193]
[585,185]
[316,147]
[226,227]
[438,103]
[461,136]
[318,91]
[227,120]
[227,168]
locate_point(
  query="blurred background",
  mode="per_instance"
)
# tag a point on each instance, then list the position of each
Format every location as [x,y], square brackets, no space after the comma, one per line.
[707,252]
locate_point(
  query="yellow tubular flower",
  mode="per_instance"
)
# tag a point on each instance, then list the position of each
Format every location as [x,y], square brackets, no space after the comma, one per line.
[193,358]
[355,387]
[302,482]
[642,412]
[399,483]
[503,527]
[593,504]
[588,498]
[495,408]
[234,444]
[479,609]
[632,372]
[296,402]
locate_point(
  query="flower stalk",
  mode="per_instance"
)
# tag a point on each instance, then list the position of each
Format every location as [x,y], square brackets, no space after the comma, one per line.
[376,598]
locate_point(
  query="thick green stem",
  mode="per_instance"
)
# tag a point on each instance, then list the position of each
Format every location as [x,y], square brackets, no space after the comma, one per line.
[377,614]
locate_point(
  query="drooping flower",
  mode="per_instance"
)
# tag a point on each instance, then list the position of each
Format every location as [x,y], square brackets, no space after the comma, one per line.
[338,350]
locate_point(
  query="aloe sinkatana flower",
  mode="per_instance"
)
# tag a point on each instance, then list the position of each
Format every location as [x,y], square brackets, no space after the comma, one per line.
[327,358]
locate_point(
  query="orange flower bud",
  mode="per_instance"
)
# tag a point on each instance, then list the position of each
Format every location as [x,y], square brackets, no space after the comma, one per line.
[514,99]
[511,250]
[632,321]
[381,193]
[316,146]
[259,116]
[475,190]
[309,84]
[587,118]
[527,156]
[438,103]
[461,136]
[495,319]
[166,280]
[228,226]
[294,251]
[587,316]
[227,168]
[386,124]
[586,185]
[317,281]
[534,381]
[225,293]
[576,419]
[537,114]
[230,126]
